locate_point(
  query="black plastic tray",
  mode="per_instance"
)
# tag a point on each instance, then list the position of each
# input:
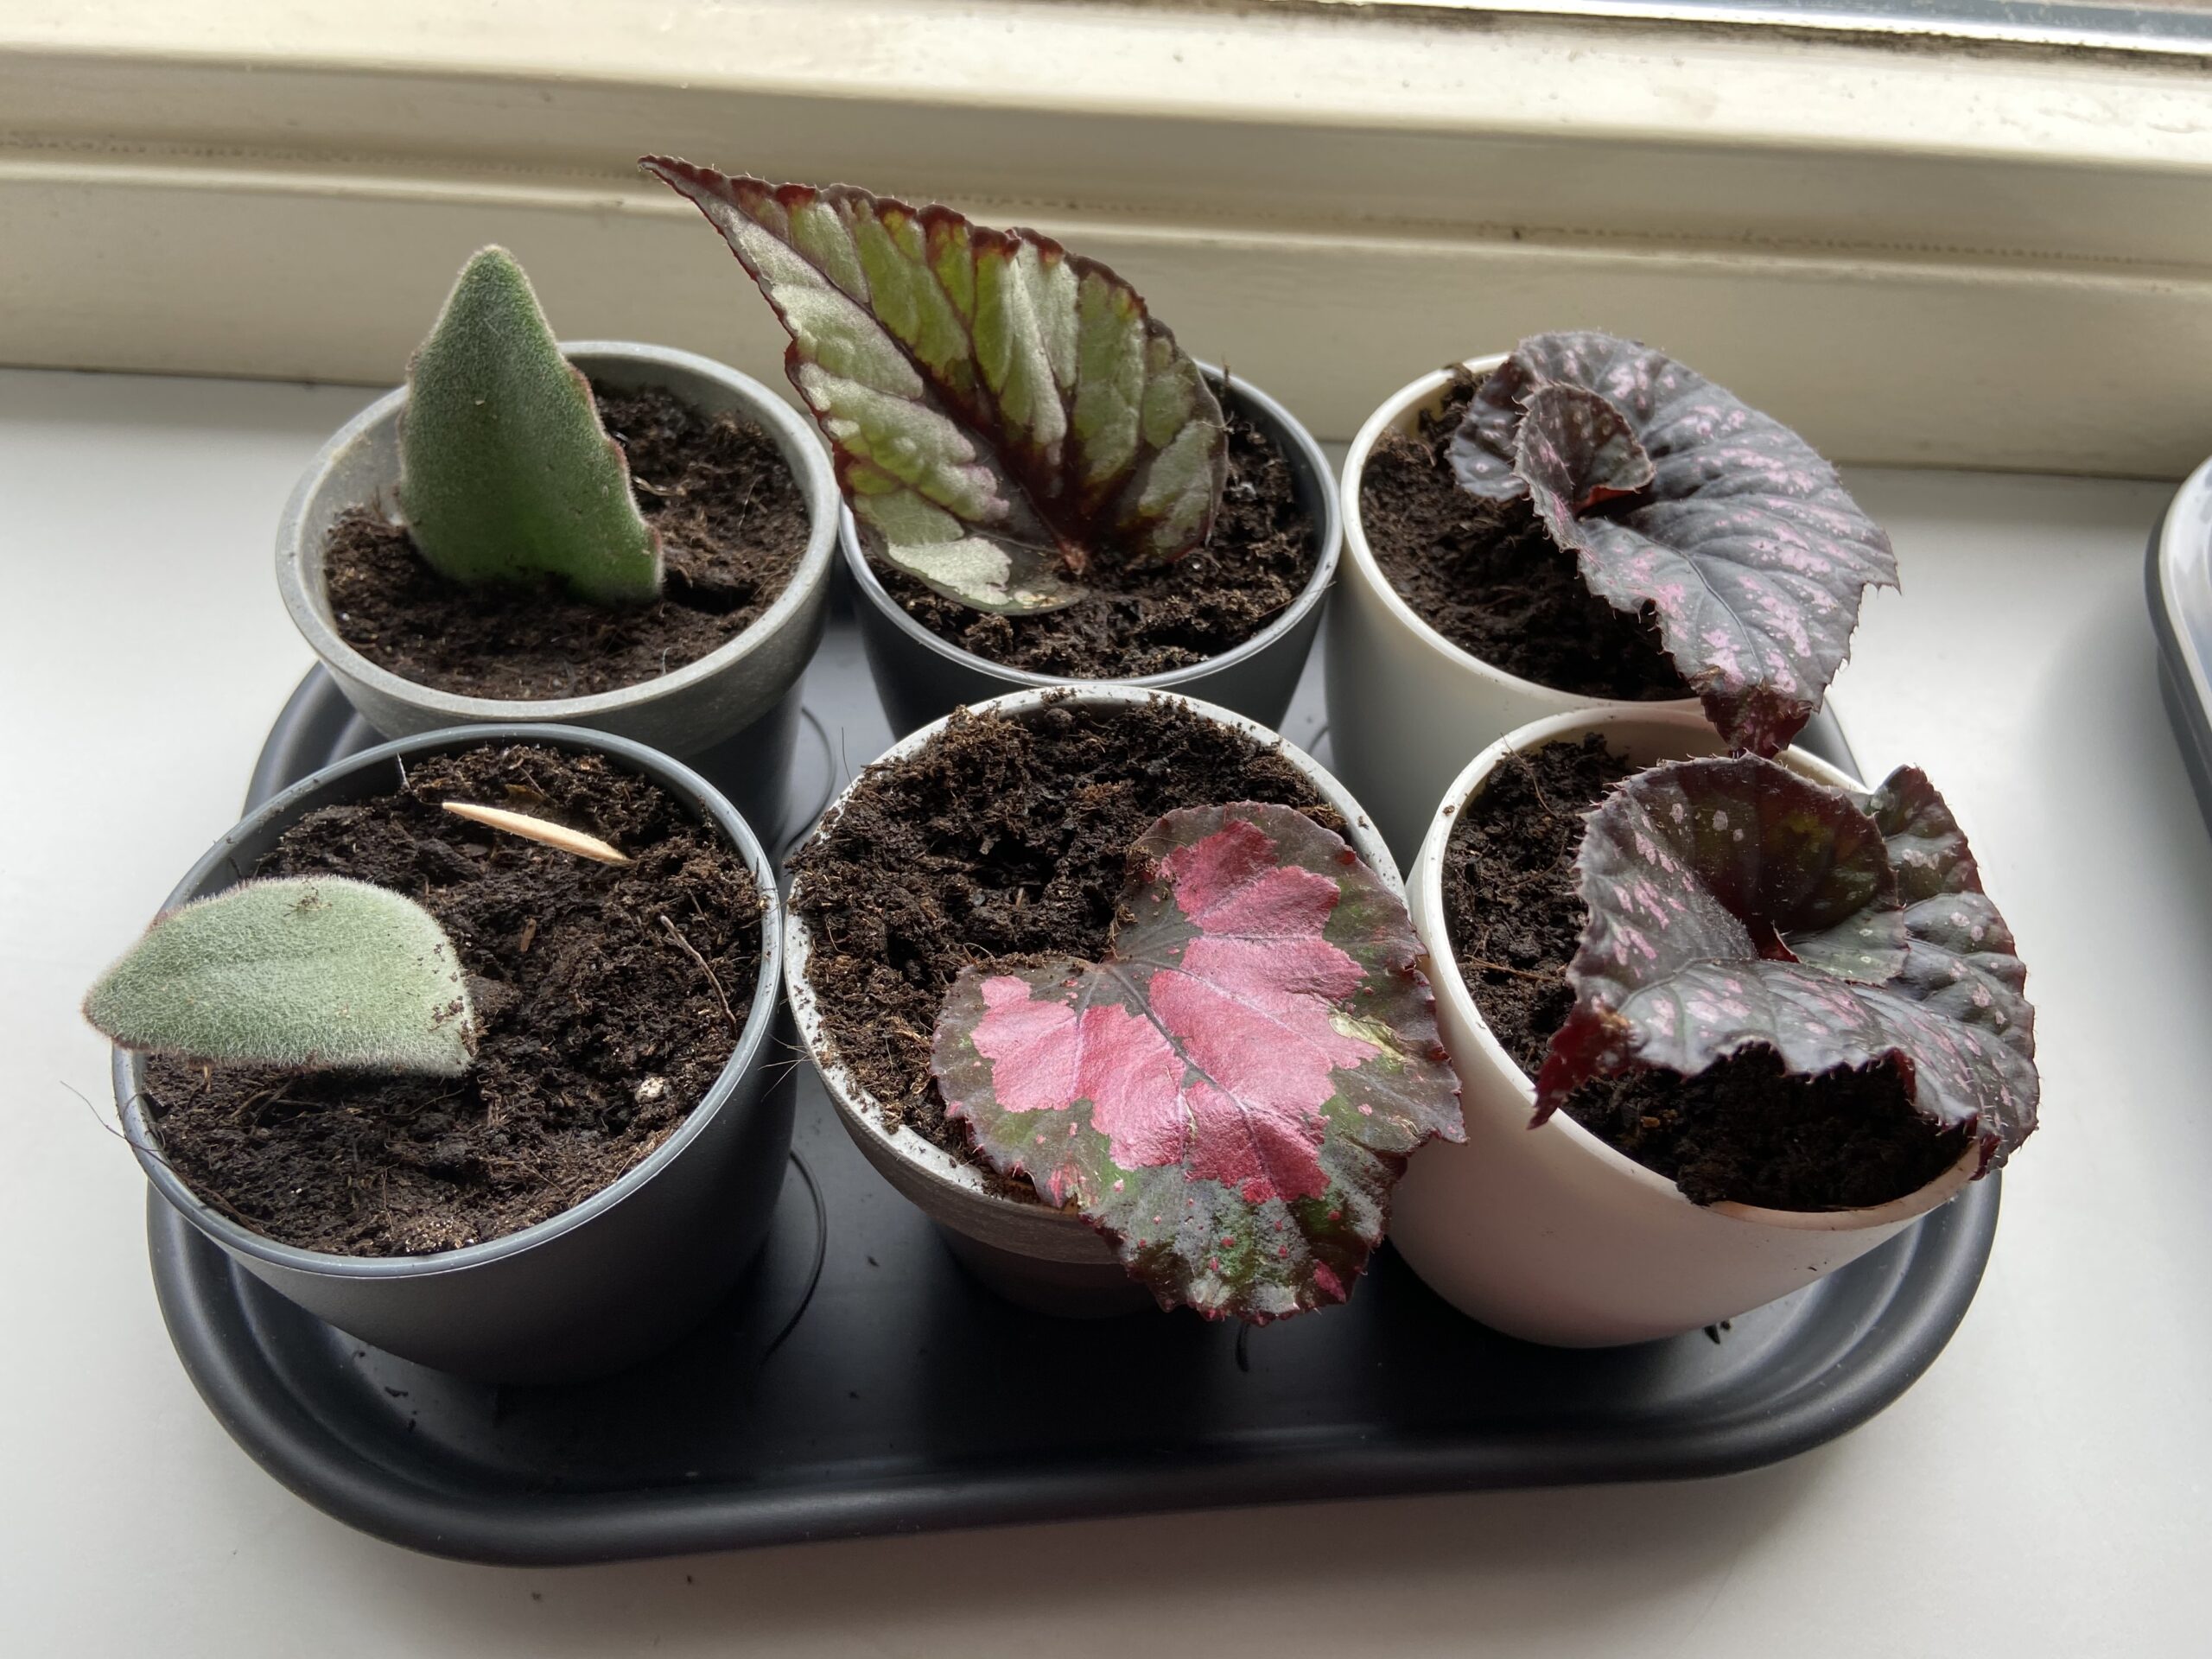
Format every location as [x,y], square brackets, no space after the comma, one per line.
[860,1382]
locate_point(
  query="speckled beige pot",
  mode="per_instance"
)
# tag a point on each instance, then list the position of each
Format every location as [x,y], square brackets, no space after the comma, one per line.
[1041,1257]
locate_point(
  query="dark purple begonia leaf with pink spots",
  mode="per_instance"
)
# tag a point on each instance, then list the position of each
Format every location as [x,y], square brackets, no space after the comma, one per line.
[1673,494]
[1231,1094]
[1960,961]
[1575,451]
[1735,905]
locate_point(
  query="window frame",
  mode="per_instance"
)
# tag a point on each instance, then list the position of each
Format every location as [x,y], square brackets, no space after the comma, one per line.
[1923,252]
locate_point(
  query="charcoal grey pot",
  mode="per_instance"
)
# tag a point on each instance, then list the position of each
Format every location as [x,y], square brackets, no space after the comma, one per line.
[603,1284]
[732,714]
[921,677]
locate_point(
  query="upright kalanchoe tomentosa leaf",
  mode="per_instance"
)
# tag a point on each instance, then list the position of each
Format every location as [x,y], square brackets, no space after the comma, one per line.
[1005,414]
[1230,1095]
[317,972]
[1734,904]
[1672,493]
[505,472]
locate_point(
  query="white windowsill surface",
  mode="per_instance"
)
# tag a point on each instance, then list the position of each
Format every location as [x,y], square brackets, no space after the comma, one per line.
[2043,1490]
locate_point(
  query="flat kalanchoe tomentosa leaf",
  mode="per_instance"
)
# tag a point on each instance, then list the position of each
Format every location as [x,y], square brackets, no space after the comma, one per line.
[1005,415]
[1673,494]
[505,472]
[318,972]
[1230,1095]
[1733,903]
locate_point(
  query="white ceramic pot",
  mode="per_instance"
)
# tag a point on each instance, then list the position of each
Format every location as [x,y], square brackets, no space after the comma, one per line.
[1549,1234]
[1040,1257]
[1406,707]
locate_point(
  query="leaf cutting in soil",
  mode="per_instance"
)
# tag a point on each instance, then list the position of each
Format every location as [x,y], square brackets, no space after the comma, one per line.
[506,472]
[318,973]
[1679,500]
[1734,904]
[1005,415]
[1231,1093]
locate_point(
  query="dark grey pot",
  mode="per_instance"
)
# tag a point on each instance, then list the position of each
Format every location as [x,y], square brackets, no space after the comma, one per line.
[732,714]
[601,1284]
[921,677]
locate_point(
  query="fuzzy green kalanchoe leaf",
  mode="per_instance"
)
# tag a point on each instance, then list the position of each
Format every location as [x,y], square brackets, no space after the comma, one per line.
[1005,415]
[318,972]
[505,472]
[1673,495]
[1734,904]
[1230,1095]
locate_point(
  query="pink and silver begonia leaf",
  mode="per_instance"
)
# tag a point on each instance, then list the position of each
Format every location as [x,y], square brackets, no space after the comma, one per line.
[1230,1095]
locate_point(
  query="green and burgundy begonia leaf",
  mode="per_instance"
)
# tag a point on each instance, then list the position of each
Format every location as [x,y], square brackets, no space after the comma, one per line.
[1673,495]
[1735,905]
[1007,415]
[1230,1095]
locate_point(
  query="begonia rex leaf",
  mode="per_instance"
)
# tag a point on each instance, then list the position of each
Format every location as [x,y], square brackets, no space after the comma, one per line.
[1230,1095]
[1007,415]
[1733,903]
[1674,496]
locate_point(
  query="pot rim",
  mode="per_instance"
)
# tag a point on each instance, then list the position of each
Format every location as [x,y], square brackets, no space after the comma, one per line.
[1303,450]
[671,776]
[855,1104]
[795,441]
[1415,392]
[1427,880]
[2178,558]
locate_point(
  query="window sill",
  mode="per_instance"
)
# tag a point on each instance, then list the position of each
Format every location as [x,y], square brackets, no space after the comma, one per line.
[1903,247]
